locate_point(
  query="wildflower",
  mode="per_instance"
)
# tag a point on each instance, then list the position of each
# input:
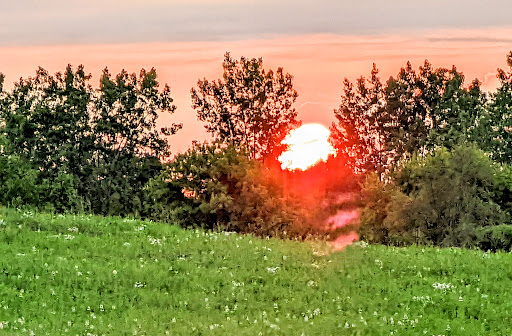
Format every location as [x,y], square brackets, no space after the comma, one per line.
[442,286]
[114,272]
[272,270]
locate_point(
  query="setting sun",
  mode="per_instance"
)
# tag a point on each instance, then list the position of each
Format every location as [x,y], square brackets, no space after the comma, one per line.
[307,145]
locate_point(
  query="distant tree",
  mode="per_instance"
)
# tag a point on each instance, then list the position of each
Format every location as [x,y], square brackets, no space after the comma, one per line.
[359,131]
[499,117]
[428,109]
[248,107]
[18,179]
[216,186]
[460,115]
[379,126]
[443,199]
[46,123]
[128,144]
[452,194]
[92,149]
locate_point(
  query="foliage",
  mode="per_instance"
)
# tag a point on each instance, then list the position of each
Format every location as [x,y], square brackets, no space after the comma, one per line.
[46,124]
[220,188]
[378,126]
[92,150]
[215,186]
[441,199]
[113,276]
[249,107]
[129,146]
[18,184]
[494,238]
[499,118]
[503,177]
[375,199]
[359,133]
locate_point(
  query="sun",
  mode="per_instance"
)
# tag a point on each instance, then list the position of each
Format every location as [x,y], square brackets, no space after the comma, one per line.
[307,145]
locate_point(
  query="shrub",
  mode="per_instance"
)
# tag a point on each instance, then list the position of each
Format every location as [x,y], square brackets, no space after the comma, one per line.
[494,238]
[18,182]
[441,199]
[504,188]
[217,187]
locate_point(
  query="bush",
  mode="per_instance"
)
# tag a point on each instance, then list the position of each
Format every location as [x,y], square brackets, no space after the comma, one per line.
[218,187]
[18,182]
[504,188]
[494,238]
[441,199]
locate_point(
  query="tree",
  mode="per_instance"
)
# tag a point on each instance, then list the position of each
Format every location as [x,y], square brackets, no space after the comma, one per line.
[379,126]
[46,123]
[499,117]
[429,109]
[128,144]
[444,198]
[216,186]
[358,133]
[249,107]
[93,149]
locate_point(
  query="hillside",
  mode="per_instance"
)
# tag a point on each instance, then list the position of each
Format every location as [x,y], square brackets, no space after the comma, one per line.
[87,275]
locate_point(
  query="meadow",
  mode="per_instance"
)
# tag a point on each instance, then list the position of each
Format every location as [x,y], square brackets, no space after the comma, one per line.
[89,275]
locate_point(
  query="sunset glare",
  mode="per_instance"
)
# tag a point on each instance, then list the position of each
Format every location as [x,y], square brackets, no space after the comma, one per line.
[307,145]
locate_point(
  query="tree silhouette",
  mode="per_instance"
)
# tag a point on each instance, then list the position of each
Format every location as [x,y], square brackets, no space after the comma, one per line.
[248,107]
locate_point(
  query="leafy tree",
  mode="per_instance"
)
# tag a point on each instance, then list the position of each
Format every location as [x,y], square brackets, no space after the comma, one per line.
[380,125]
[442,199]
[216,186]
[46,123]
[93,149]
[127,142]
[18,179]
[249,107]
[499,117]
[126,112]
[503,177]
[429,109]
[358,133]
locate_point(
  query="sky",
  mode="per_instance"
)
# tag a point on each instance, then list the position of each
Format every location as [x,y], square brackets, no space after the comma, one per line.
[319,42]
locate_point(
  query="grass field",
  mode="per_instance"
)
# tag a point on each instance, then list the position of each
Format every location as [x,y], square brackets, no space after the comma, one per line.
[86,275]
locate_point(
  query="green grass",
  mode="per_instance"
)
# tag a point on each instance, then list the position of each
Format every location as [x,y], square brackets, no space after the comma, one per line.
[86,275]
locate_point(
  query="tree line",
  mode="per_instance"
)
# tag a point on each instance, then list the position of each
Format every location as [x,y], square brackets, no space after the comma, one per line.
[66,146]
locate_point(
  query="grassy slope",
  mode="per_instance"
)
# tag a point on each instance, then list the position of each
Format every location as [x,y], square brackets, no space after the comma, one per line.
[83,274]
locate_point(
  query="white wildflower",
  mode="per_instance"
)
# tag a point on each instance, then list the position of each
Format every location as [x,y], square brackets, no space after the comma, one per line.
[272,270]
[442,286]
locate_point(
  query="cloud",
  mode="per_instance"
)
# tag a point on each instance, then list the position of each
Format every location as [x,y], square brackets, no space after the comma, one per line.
[33,22]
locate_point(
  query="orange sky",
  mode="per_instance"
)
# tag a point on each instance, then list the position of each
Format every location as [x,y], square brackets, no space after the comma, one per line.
[318,62]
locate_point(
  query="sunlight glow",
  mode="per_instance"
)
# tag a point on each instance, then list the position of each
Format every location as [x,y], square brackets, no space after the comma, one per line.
[307,145]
